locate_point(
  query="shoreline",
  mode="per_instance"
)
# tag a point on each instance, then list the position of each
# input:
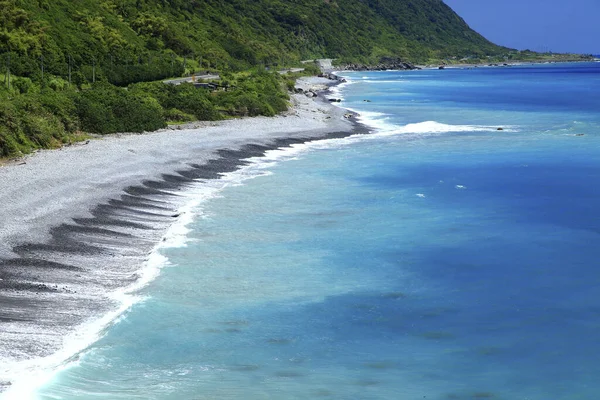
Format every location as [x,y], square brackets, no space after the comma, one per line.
[504,64]
[80,222]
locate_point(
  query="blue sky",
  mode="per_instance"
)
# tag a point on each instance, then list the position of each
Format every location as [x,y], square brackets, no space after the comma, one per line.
[541,25]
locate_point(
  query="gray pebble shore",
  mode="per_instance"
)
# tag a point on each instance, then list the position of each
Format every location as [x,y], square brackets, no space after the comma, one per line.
[78,222]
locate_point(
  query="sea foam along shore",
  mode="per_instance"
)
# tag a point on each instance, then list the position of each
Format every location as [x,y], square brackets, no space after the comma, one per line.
[78,223]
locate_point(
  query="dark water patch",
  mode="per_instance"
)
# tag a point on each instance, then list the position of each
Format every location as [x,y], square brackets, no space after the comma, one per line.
[438,312]
[212,330]
[362,306]
[381,365]
[489,350]
[483,395]
[245,367]
[240,322]
[322,393]
[325,224]
[436,335]
[289,374]
[542,192]
[367,382]
[471,396]
[279,341]
[394,295]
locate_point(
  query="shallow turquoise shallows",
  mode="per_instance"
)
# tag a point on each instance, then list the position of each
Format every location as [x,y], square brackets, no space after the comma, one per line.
[437,258]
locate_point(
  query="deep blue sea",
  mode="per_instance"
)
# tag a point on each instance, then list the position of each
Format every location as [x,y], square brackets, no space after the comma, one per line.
[437,258]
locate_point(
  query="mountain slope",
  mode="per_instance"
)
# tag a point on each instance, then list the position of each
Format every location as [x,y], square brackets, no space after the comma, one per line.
[232,34]
[62,60]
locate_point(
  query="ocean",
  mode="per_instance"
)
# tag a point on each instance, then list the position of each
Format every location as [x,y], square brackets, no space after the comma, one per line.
[452,253]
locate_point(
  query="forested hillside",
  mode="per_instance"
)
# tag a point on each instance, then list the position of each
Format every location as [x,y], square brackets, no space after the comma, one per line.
[131,40]
[72,66]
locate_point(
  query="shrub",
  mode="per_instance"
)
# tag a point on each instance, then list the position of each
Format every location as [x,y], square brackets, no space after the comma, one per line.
[44,131]
[62,105]
[185,97]
[108,109]
[9,145]
[26,125]
[23,85]
[95,112]
[175,115]
[138,114]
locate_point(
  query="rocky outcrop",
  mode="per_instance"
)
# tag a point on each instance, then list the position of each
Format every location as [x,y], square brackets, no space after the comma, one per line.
[310,87]
[332,77]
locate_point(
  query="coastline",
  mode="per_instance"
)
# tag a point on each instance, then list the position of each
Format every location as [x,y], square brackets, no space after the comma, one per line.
[80,222]
[506,64]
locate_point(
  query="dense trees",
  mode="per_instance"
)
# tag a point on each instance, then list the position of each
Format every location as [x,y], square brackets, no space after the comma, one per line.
[116,36]
[86,65]
[33,117]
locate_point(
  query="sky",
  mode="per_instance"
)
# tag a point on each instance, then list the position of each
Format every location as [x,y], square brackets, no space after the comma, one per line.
[562,26]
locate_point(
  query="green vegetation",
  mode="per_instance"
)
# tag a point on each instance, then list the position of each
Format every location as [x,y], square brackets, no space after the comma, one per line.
[33,117]
[126,41]
[73,66]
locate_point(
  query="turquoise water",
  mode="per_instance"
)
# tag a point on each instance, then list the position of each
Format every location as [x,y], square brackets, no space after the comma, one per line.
[438,258]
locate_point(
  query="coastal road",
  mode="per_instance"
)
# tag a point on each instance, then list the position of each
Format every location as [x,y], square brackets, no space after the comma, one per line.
[191,79]
[290,70]
[324,63]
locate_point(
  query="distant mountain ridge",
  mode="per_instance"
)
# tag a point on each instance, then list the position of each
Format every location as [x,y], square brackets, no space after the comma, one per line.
[230,34]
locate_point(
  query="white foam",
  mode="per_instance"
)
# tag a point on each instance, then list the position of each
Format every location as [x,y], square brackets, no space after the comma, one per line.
[385,81]
[383,127]
[28,376]
[337,89]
